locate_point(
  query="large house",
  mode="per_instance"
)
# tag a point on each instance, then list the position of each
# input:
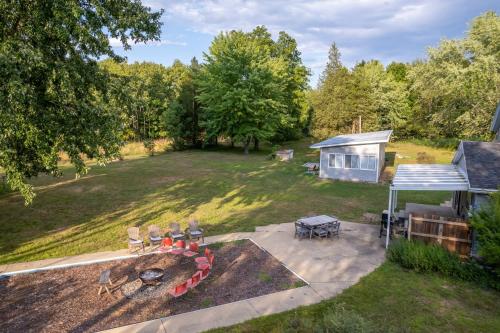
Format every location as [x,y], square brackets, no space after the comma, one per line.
[353,157]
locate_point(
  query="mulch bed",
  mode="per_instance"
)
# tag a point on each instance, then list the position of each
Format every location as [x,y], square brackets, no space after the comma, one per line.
[65,300]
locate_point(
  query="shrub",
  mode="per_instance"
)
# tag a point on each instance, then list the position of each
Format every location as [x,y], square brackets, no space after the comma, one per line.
[149,144]
[486,223]
[424,258]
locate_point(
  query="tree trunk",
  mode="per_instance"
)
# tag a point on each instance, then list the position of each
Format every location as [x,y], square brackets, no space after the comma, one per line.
[232,143]
[247,145]
[256,144]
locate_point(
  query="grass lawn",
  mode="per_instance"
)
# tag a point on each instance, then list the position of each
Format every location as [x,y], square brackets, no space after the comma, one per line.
[396,300]
[224,189]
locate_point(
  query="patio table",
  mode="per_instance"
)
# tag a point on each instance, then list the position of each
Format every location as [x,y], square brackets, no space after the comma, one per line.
[316,221]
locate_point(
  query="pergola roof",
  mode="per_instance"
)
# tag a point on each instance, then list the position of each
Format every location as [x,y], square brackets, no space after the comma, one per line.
[429,177]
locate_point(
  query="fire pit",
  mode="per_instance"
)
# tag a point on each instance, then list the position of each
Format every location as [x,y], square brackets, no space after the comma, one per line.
[151,276]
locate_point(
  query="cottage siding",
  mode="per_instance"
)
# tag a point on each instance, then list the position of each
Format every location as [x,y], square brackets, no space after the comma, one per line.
[381,158]
[350,174]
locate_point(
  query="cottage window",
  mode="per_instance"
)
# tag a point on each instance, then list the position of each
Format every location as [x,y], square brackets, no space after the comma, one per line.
[335,160]
[368,162]
[351,162]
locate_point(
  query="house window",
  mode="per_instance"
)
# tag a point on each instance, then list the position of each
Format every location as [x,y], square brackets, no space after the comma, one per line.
[335,160]
[351,162]
[368,162]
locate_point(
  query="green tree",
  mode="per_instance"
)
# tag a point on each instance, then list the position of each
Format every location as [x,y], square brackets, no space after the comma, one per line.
[182,119]
[456,90]
[51,82]
[296,76]
[242,87]
[486,223]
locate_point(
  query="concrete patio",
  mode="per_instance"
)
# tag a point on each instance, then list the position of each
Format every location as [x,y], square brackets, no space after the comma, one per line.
[328,266]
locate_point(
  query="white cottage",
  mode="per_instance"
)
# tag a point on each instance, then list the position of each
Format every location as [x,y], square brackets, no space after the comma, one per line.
[353,157]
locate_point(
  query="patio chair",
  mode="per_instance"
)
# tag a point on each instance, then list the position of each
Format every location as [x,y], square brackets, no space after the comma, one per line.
[205,265]
[194,280]
[167,242]
[333,229]
[321,231]
[175,231]
[301,231]
[179,290]
[201,260]
[104,280]
[193,250]
[134,238]
[194,231]
[154,235]
[204,273]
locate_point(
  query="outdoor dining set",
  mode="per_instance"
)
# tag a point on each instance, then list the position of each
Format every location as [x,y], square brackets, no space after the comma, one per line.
[321,226]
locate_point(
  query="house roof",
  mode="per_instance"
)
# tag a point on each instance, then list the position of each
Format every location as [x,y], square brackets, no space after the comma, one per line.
[355,139]
[482,162]
[495,124]
[429,177]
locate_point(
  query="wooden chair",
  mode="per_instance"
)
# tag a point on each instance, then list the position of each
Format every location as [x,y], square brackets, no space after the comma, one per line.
[175,231]
[154,235]
[134,238]
[194,231]
[104,280]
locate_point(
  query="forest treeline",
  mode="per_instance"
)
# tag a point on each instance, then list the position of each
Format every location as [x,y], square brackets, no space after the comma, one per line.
[251,88]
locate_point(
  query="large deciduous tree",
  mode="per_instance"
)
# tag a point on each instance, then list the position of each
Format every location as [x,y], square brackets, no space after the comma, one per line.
[242,87]
[457,89]
[51,82]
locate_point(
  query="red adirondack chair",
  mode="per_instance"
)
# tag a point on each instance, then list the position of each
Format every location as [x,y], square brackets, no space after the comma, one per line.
[194,280]
[179,290]
[167,242]
[181,244]
[204,260]
[204,273]
[208,264]
[194,247]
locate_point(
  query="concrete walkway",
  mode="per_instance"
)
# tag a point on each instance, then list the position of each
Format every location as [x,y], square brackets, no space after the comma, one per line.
[328,266]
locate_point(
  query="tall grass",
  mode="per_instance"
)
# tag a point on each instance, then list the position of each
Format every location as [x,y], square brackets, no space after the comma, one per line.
[424,258]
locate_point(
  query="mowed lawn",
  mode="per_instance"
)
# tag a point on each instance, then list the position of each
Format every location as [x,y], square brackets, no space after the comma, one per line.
[222,188]
[396,300]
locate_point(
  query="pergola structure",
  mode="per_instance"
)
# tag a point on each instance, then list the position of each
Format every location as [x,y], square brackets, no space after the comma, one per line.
[424,177]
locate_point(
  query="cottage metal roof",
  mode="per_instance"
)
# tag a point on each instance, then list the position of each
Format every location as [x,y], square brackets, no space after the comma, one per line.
[429,177]
[355,139]
[482,162]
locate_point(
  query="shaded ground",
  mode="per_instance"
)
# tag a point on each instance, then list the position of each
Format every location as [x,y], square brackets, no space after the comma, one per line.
[224,189]
[393,299]
[66,300]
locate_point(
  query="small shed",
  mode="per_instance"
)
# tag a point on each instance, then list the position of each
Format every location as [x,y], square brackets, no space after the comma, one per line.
[284,155]
[353,157]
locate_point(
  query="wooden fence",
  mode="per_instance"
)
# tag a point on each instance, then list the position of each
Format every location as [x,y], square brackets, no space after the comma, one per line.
[454,234]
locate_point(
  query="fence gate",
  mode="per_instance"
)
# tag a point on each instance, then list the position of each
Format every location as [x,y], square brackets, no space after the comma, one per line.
[454,234]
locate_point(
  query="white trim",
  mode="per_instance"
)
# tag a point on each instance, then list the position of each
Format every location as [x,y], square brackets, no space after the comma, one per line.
[335,158]
[376,163]
[359,162]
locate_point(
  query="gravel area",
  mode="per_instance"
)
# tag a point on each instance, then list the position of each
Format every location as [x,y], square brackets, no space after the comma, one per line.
[66,300]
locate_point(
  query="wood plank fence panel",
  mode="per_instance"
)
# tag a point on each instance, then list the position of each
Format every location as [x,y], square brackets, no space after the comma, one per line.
[454,234]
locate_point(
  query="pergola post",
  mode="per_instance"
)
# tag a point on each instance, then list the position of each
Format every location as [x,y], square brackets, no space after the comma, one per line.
[389,217]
